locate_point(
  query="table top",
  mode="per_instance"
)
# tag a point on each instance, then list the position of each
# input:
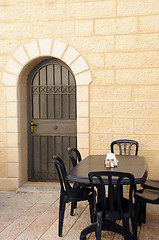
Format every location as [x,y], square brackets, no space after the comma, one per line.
[135,165]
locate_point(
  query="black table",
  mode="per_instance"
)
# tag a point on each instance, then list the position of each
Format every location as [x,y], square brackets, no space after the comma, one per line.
[135,165]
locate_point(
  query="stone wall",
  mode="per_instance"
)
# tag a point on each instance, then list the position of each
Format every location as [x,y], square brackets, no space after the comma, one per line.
[119,39]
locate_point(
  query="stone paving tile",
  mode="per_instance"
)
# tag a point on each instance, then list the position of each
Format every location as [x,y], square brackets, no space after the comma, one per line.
[69,222]
[15,228]
[34,216]
[42,223]
[150,230]
[81,222]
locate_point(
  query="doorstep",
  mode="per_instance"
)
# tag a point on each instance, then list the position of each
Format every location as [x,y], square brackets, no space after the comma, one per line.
[39,187]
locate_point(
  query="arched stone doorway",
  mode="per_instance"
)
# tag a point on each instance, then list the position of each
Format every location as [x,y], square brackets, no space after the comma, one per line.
[15,78]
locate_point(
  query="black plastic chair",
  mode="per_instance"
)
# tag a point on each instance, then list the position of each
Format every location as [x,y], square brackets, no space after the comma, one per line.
[151,184]
[74,155]
[70,194]
[110,205]
[142,197]
[125,146]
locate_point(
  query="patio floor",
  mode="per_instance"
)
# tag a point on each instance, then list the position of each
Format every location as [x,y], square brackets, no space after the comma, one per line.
[32,213]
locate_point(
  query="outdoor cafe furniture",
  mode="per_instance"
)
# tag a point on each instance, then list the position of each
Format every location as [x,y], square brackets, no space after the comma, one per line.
[152,184]
[75,158]
[74,155]
[125,147]
[150,192]
[135,165]
[70,194]
[142,197]
[110,207]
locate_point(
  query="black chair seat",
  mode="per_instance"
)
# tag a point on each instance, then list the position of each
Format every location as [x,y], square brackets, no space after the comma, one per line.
[151,184]
[148,196]
[80,193]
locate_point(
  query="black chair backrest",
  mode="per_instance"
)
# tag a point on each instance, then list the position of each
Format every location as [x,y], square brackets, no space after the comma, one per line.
[125,146]
[74,155]
[111,201]
[61,170]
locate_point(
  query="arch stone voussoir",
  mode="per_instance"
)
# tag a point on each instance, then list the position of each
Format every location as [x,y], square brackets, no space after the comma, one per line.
[45,46]
[70,55]
[13,67]
[32,49]
[79,65]
[21,56]
[58,49]
[84,78]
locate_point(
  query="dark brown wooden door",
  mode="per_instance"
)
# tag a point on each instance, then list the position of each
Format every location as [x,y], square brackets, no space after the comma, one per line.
[51,118]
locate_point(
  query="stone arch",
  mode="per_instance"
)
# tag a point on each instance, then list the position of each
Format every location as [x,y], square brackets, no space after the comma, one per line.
[14,78]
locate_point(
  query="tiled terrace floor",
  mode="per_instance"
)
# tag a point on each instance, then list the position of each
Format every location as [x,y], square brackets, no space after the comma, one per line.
[33,215]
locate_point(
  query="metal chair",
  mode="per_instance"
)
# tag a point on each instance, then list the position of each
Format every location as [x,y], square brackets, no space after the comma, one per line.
[125,146]
[110,206]
[70,194]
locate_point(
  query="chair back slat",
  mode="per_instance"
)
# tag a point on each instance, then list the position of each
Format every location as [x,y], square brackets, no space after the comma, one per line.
[125,146]
[111,202]
[62,173]
[74,155]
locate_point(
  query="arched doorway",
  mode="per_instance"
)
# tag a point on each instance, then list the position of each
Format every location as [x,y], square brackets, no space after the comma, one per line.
[15,78]
[51,91]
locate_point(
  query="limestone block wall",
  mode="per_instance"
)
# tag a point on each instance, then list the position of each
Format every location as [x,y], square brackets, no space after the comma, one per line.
[119,42]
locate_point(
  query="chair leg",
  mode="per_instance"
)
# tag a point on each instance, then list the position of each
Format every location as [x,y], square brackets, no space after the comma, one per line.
[144,212]
[139,210]
[127,234]
[61,214]
[82,237]
[73,206]
[99,227]
[91,210]
[134,226]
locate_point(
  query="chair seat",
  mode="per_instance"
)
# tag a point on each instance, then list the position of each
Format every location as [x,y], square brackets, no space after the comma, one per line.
[80,193]
[111,215]
[148,196]
[152,184]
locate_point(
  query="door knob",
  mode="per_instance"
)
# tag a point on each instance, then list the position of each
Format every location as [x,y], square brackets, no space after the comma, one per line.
[55,127]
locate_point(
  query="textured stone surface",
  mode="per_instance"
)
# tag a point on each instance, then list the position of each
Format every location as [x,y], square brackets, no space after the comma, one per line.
[32,213]
[112,48]
[115,26]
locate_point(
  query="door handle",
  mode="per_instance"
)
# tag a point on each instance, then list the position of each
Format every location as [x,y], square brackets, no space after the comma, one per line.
[55,127]
[32,125]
